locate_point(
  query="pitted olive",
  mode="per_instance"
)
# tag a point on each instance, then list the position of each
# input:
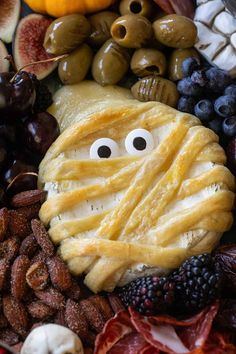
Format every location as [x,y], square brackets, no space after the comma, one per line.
[147,61]
[175,31]
[155,88]
[131,31]
[66,33]
[136,7]
[75,67]
[110,63]
[100,27]
[175,62]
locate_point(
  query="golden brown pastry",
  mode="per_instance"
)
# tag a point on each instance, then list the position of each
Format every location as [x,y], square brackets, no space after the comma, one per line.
[135,190]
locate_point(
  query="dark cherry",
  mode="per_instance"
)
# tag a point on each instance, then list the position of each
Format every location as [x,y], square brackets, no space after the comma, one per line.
[231,155]
[16,167]
[17,94]
[40,131]
[3,153]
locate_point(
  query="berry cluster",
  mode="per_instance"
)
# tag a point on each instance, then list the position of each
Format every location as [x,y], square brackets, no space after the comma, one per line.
[188,289]
[210,94]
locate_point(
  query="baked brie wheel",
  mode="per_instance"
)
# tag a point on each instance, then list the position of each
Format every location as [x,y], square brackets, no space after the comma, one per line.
[135,190]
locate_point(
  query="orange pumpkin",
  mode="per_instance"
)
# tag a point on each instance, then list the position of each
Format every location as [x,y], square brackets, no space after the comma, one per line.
[58,8]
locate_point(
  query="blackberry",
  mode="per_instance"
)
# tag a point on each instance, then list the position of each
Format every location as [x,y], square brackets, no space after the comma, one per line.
[149,295]
[197,283]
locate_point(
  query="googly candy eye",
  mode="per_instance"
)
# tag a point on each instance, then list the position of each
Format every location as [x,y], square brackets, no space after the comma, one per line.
[139,142]
[104,148]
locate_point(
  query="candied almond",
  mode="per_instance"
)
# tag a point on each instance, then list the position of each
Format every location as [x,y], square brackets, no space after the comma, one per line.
[76,319]
[4,221]
[9,336]
[93,315]
[9,248]
[18,224]
[3,321]
[74,292]
[51,297]
[16,314]
[39,310]
[18,274]
[115,303]
[37,276]
[59,273]
[60,318]
[39,257]
[42,237]
[28,198]
[29,246]
[30,212]
[4,267]
[103,305]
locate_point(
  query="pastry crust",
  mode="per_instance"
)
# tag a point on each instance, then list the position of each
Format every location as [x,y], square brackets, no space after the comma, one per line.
[157,209]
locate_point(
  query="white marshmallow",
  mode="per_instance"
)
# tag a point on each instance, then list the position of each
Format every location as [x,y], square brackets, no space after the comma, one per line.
[52,339]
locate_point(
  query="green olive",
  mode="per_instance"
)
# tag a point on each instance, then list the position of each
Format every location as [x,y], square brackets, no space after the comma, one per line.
[100,27]
[155,88]
[66,33]
[75,67]
[147,61]
[136,7]
[175,62]
[131,31]
[175,31]
[110,63]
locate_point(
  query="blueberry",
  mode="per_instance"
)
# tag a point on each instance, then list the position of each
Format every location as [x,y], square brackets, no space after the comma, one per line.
[199,77]
[225,106]
[188,88]
[186,104]
[229,126]
[189,65]
[215,125]
[204,110]
[230,90]
[218,79]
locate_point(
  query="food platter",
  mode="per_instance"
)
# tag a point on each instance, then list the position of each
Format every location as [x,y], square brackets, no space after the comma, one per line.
[117,177]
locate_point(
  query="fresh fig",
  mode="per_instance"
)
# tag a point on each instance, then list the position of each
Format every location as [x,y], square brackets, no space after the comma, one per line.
[28,45]
[4,63]
[10,13]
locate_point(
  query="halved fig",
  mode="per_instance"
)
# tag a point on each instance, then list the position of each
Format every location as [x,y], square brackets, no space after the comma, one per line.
[4,63]
[28,45]
[9,16]
[180,7]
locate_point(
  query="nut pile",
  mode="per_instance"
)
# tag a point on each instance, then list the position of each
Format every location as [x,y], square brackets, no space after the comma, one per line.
[35,285]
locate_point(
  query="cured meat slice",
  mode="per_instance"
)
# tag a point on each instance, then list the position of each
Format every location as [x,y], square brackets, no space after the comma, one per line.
[195,336]
[133,343]
[172,336]
[115,329]
[218,343]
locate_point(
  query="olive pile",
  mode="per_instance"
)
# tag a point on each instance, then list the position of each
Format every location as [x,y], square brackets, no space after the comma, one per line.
[136,43]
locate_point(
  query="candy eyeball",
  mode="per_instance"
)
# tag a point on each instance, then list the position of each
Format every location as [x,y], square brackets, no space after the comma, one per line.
[139,142]
[104,148]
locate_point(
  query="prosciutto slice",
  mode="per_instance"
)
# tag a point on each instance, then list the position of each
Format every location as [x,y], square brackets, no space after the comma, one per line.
[128,332]
[115,329]
[172,336]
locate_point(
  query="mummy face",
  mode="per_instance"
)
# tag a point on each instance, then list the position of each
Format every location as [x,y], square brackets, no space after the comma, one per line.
[135,190]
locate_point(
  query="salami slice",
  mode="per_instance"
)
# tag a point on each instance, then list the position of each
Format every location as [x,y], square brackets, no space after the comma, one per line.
[133,343]
[165,6]
[115,329]
[183,7]
[175,337]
